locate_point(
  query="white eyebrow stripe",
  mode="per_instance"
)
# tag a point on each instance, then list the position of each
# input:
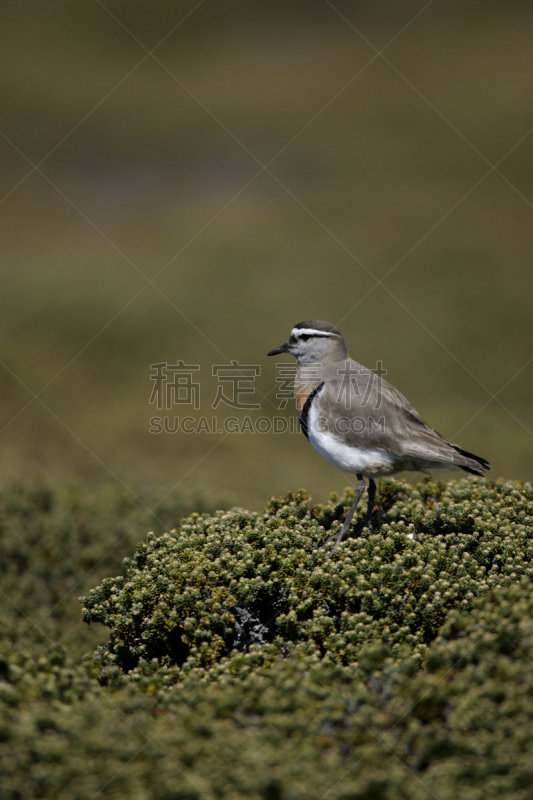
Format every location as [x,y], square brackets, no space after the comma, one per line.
[309,332]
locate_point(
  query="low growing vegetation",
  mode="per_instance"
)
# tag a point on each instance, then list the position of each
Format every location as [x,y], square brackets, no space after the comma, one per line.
[234,580]
[244,663]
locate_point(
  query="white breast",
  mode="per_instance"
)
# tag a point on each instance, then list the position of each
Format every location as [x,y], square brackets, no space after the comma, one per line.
[347,458]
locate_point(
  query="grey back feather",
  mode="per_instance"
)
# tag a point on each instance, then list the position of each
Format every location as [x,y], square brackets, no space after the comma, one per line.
[375,414]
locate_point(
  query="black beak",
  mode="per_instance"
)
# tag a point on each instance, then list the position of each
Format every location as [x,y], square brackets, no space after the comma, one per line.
[284,348]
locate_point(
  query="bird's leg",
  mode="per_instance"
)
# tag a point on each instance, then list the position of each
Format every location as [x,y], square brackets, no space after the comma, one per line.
[346,527]
[371,497]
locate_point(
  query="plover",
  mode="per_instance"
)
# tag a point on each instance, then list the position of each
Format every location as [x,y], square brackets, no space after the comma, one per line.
[358,421]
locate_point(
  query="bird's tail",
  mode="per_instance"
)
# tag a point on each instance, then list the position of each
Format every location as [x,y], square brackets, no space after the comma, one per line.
[477,465]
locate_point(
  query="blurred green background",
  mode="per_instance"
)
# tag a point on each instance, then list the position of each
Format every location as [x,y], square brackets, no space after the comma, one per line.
[188,180]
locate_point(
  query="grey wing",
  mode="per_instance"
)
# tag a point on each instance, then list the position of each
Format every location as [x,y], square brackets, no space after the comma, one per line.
[369,411]
[375,414]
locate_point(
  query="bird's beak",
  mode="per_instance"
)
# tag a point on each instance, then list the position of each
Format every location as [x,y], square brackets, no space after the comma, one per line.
[284,348]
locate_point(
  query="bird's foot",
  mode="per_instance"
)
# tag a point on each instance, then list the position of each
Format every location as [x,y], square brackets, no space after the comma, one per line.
[337,538]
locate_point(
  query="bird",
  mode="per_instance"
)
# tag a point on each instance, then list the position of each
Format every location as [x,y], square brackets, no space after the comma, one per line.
[359,422]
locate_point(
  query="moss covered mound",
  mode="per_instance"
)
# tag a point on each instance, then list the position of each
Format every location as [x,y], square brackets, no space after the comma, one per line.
[57,542]
[243,663]
[239,581]
[300,727]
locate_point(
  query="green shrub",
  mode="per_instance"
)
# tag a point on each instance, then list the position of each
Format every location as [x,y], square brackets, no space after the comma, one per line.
[237,580]
[55,543]
[298,727]
[279,711]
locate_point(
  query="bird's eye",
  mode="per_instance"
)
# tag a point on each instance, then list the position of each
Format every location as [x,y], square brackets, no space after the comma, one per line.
[304,337]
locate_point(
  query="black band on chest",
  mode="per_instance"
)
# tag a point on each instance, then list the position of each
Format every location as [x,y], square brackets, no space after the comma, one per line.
[304,416]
